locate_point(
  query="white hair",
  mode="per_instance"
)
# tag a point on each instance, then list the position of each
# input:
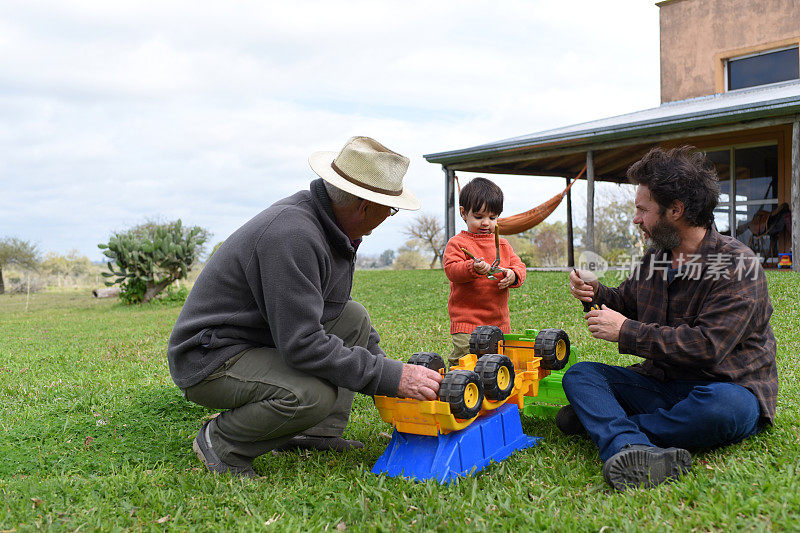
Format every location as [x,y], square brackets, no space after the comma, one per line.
[339,197]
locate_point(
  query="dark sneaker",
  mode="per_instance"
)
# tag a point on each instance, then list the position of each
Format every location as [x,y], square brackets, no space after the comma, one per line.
[308,442]
[567,421]
[637,465]
[202,448]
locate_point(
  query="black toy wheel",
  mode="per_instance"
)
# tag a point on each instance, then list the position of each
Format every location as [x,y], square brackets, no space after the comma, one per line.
[552,345]
[497,375]
[484,340]
[463,390]
[431,360]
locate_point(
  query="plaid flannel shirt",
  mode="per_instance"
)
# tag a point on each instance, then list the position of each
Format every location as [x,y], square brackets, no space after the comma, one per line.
[710,323]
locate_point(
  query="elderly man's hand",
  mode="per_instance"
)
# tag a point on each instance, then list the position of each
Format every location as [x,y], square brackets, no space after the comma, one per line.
[605,323]
[419,383]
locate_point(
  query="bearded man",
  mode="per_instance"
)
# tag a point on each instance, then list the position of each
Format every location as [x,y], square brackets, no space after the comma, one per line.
[697,310]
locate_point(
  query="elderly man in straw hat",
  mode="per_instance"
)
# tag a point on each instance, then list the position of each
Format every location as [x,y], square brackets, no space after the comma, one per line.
[269,332]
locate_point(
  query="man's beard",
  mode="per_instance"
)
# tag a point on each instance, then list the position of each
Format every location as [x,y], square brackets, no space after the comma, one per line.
[664,235]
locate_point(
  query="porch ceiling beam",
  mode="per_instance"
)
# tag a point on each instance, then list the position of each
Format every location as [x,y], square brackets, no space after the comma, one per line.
[533,156]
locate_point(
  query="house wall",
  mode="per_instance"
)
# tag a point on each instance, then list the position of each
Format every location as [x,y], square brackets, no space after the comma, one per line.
[698,35]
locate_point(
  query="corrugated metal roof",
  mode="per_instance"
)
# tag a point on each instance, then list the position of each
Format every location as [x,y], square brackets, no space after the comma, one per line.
[735,106]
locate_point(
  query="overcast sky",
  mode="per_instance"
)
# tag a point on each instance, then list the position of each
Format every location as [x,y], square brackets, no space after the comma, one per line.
[115,112]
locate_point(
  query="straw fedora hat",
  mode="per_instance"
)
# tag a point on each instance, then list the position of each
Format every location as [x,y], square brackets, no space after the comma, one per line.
[367,169]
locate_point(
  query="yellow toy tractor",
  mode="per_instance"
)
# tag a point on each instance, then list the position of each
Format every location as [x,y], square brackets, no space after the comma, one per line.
[499,369]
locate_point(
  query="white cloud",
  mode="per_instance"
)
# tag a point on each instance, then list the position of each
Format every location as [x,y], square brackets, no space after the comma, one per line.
[207,111]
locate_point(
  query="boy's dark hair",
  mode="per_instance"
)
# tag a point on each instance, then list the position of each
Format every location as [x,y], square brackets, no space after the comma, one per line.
[680,174]
[481,193]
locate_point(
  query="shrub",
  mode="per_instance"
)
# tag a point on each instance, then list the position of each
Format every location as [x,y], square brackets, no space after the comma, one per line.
[410,260]
[151,256]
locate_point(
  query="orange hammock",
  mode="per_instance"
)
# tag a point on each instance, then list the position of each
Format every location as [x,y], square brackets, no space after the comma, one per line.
[525,221]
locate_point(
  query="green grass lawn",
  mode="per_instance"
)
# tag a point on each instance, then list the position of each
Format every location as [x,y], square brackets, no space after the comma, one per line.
[94,435]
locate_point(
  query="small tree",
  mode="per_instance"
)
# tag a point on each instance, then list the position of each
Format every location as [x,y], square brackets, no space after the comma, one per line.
[79,265]
[614,232]
[386,259]
[14,251]
[428,232]
[55,265]
[149,257]
[551,242]
[543,245]
[409,260]
[64,266]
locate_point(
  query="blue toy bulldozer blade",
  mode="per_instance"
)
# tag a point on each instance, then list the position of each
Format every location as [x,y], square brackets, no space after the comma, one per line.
[492,437]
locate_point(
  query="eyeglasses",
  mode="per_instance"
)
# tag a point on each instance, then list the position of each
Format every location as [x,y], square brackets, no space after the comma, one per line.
[392,210]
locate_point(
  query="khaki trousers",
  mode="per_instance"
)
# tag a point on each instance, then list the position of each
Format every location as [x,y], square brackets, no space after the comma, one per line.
[460,347]
[269,402]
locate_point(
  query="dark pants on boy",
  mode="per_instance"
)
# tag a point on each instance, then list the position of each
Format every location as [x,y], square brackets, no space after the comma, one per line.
[619,406]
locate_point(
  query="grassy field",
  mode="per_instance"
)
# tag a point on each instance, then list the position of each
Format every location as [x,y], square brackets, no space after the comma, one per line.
[94,435]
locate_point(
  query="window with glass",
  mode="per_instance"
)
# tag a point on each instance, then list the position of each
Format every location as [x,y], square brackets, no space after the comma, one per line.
[748,178]
[764,68]
[722,214]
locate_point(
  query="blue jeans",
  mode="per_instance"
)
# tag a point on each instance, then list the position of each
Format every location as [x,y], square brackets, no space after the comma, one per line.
[618,406]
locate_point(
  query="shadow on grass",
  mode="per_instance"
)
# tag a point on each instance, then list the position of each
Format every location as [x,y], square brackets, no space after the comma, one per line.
[145,428]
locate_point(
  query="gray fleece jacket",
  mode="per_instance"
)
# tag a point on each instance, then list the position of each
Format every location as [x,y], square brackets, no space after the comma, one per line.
[273,283]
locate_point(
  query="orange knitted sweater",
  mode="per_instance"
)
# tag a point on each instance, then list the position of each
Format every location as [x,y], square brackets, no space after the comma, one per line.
[475,300]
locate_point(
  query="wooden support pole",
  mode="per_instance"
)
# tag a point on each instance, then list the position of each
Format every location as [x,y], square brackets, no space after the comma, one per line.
[570,235]
[795,195]
[449,203]
[589,244]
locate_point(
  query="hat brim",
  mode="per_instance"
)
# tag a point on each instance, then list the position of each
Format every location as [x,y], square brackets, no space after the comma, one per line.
[321,164]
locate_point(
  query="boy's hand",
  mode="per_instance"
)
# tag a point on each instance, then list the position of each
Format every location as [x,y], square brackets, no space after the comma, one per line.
[509,279]
[481,267]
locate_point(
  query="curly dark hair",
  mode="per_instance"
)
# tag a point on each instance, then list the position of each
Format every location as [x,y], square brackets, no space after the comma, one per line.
[682,174]
[481,193]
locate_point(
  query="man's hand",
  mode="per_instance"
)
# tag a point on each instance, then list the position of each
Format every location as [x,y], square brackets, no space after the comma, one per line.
[605,323]
[509,279]
[582,290]
[419,383]
[481,267]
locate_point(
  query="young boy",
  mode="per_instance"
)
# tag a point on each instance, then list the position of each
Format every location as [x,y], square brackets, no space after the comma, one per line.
[475,299]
